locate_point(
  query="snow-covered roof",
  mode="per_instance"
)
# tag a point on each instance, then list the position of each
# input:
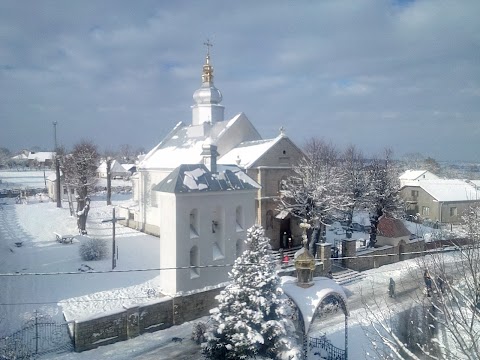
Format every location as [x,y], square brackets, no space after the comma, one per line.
[115,167]
[476,183]
[247,152]
[183,145]
[128,167]
[21,156]
[196,177]
[41,156]
[416,175]
[449,190]
[308,299]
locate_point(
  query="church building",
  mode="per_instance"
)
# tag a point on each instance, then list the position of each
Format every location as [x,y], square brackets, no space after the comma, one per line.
[209,147]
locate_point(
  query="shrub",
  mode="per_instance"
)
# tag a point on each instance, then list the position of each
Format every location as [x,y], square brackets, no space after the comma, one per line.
[93,249]
[198,332]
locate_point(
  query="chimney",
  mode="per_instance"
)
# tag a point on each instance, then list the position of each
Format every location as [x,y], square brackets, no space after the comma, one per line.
[210,154]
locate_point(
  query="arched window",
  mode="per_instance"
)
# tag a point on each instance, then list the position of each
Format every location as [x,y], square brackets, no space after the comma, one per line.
[239,218]
[269,220]
[194,261]
[194,223]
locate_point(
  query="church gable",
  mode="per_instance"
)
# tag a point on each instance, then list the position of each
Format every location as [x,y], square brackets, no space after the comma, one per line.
[280,151]
[283,153]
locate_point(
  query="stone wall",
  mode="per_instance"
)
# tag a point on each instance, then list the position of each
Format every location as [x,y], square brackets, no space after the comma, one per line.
[135,320]
[370,258]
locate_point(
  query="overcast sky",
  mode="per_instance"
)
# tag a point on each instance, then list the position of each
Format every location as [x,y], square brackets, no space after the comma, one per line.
[399,74]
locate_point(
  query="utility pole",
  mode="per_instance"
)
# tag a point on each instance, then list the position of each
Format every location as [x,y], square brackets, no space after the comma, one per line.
[109,180]
[113,220]
[57,168]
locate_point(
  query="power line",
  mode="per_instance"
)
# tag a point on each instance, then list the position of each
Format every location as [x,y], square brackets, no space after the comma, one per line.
[423,252]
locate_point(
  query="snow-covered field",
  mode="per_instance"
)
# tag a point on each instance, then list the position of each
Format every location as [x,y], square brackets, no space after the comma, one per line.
[77,295]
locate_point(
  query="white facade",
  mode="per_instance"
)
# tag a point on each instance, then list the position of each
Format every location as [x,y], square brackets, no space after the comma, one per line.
[210,229]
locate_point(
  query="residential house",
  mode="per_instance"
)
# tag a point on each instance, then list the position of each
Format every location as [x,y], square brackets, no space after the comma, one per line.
[442,200]
[117,171]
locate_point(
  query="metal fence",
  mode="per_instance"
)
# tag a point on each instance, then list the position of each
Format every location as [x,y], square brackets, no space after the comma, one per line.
[38,336]
[326,350]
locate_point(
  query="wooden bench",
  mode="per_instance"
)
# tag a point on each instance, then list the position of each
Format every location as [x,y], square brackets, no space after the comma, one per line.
[63,239]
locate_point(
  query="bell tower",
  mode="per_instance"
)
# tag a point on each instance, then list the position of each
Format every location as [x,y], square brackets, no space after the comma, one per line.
[207,98]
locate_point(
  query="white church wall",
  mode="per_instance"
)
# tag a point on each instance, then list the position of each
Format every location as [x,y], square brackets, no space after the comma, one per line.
[220,207]
[149,200]
[167,216]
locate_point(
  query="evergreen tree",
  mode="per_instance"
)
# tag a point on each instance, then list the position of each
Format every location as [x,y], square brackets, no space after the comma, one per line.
[248,320]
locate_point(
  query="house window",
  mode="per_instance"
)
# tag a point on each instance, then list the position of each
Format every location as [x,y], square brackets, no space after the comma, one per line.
[194,270]
[425,211]
[269,220]
[414,193]
[65,191]
[453,211]
[194,224]
[239,218]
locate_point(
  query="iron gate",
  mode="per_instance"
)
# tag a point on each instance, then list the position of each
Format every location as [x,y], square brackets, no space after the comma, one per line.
[38,336]
[326,350]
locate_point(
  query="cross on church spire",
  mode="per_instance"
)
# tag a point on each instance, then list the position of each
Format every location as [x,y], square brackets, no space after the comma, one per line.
[208,44]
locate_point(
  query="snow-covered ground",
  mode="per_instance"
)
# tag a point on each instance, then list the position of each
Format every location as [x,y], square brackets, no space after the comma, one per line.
[77,295]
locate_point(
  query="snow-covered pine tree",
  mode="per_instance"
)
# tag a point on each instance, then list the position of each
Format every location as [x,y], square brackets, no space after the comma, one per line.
[248,320]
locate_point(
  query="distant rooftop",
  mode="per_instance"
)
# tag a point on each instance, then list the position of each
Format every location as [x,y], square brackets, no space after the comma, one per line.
[450,189]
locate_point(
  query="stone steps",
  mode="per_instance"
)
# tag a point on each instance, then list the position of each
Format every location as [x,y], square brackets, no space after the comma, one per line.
[347,276]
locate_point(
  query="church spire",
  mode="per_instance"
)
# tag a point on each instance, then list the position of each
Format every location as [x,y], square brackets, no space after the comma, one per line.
[207,75]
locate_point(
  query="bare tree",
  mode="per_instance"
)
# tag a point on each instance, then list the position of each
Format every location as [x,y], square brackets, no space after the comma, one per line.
[355,182]
[383,193]
[4,156]
[126,153]
[445,320]
[314,192]
[79,169]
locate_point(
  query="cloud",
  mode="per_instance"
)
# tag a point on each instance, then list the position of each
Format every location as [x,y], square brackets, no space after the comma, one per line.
[386,64]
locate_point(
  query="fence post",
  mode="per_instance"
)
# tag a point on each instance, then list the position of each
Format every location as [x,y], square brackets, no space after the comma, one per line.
[36,332]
